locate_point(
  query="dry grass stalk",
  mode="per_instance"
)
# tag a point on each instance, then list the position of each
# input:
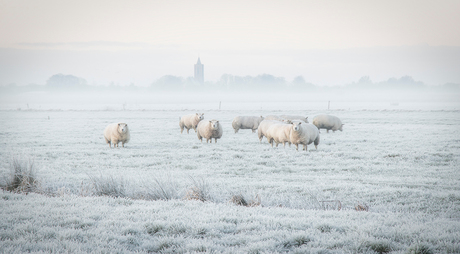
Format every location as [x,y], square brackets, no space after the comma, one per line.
[194,193]
[331,205]
[361,207]
[239,200]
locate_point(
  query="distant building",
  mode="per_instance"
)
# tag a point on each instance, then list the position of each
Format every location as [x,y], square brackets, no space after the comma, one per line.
[199,71]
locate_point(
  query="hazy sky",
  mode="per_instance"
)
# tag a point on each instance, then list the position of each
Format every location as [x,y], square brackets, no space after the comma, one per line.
[148,39]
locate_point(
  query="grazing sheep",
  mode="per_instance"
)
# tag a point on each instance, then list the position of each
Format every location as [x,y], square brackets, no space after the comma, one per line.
[328,122]
[279,133]
[209,130]
[247,122]
[305,134]
[291,117]
[190,121]
[115,133]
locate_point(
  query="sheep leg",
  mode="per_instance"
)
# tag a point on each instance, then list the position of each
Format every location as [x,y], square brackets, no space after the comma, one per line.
[187,130]
[297,147]
[215,140]
[253,131]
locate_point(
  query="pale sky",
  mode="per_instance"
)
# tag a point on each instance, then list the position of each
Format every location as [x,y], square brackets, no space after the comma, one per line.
[217,31]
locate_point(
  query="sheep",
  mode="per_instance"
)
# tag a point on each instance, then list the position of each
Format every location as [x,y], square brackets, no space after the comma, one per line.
[115,133]
[209,130]
[327,122]
[265,124]
[304,134]
[190,121]
[279,133]
[292,117]
[247,122]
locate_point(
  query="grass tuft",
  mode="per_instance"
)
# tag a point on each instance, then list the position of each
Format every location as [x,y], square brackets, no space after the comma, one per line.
[108,186]
[22,177]
[161,190]
[420,249]
[296,241]
[238,200]
[199,190]
[377,246]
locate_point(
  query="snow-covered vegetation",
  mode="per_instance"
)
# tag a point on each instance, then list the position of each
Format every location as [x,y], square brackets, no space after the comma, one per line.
[389,183]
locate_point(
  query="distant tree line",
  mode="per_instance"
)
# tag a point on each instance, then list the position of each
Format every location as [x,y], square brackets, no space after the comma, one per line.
[226,83]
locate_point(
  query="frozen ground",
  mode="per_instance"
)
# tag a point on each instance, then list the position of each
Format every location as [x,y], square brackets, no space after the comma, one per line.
[401,160]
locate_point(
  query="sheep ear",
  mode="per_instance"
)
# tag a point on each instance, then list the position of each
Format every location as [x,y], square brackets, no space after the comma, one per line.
[300,123]
[118,124]
[209,121]
[306,117]
[217,122]
[196,113]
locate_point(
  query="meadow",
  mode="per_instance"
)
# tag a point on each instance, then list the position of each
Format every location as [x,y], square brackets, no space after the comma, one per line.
[389,183]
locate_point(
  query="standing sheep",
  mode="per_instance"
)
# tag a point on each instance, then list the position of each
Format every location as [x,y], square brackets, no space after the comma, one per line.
[190,121]
[115,133]
[209,130]
[328,122]
[247,122]
[264,125]
[292,117]
[304,134]
[279,133]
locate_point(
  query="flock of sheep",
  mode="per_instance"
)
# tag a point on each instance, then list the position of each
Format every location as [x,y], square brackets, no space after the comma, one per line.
[277,129]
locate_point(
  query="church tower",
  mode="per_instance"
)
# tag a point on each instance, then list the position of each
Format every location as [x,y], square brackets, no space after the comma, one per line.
[199,71]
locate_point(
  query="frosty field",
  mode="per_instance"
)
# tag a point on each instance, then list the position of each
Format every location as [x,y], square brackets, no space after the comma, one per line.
[400,163]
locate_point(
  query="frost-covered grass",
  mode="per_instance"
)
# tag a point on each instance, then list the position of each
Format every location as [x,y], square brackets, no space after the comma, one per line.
[400,166]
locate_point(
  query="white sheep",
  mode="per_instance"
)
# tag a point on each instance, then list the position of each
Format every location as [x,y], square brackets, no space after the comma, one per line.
[247,122]
[327,122]
[304,133]
[209,130]
[190,121]
[279,133]
[115,133]
[265,124]
[293,117]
